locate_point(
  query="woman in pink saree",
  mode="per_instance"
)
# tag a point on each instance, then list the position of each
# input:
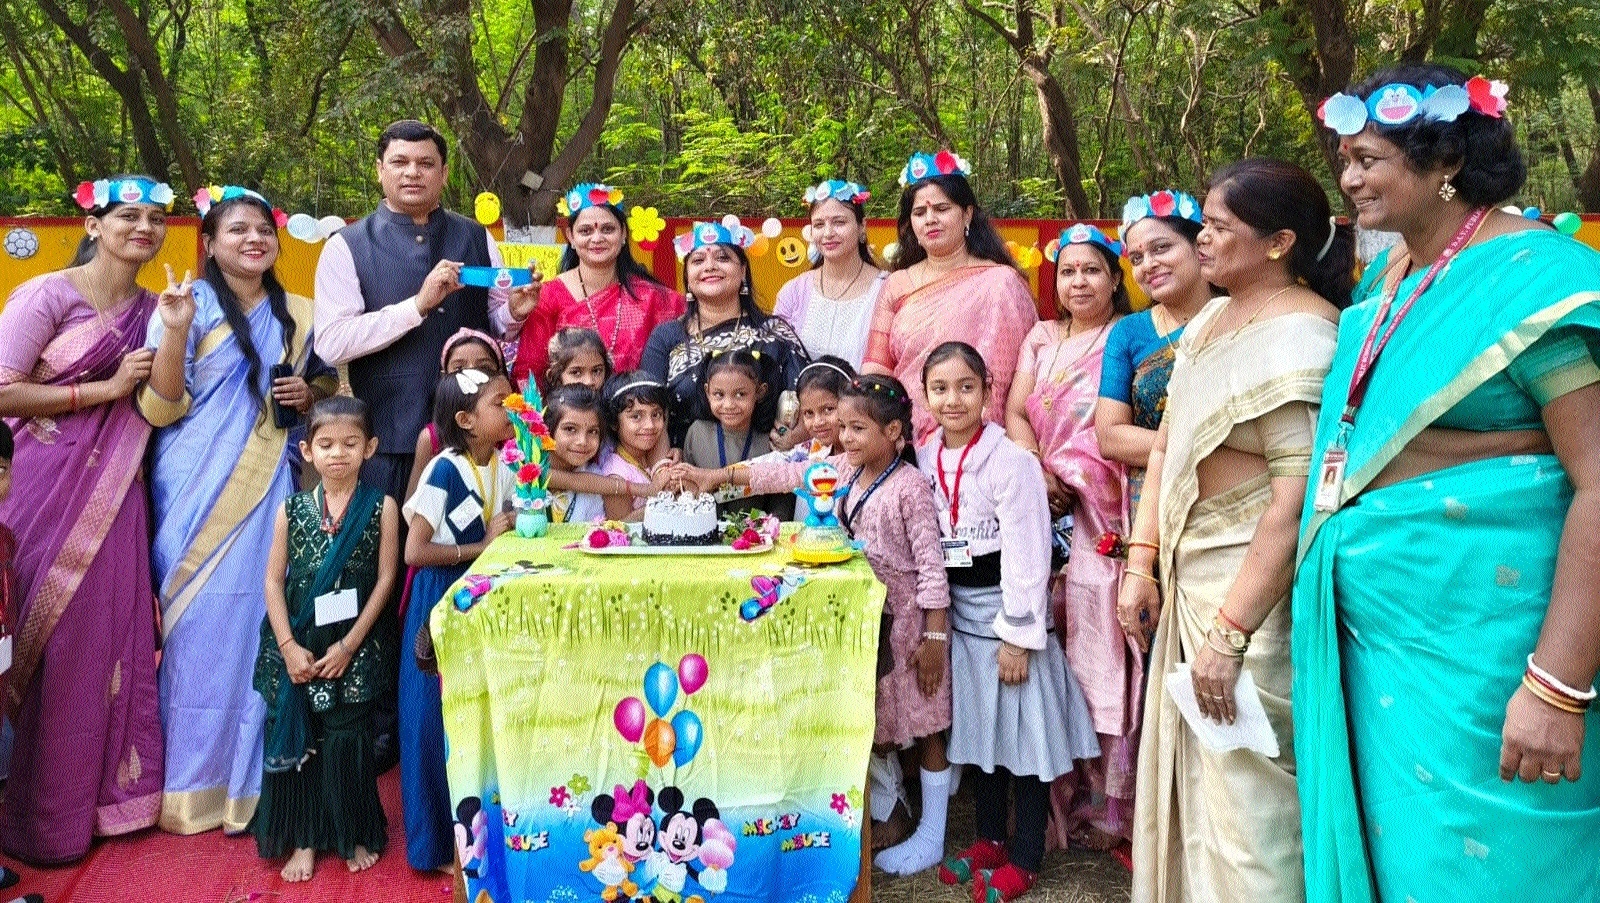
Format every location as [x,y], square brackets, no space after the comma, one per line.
[953,280]
[1051,413]
[82,691]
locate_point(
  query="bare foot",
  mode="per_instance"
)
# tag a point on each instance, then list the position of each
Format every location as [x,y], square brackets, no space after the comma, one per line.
[299,866]
[895,828]
[1091,838]
[362,860]
[449,868]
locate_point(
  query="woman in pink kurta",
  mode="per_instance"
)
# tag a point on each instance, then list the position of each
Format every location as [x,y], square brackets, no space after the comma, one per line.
[1051,413]
[601,287]
[953,280]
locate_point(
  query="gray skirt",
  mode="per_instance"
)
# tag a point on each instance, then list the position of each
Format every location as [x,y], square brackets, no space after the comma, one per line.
[1038,727]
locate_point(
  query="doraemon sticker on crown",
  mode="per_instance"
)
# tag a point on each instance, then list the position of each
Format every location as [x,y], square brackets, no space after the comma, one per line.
[836,190]
[205,198]
[728,232]
[1166,202]
[1398,104]
[925,166]
[1081,234]
[588,194]
[99,193]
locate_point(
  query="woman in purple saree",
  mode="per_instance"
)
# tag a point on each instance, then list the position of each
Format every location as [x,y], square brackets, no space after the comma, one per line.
[82,690]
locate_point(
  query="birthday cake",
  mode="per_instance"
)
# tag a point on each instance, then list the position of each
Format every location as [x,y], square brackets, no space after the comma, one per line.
[689,519]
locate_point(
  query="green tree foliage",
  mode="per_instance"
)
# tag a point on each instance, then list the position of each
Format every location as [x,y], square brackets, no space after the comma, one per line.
[1064,107]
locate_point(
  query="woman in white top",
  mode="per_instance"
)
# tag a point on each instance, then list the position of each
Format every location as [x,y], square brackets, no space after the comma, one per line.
[831,305]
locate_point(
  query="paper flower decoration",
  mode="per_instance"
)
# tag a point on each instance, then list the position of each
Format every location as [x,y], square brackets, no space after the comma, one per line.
[137,190]
[529,458]
[1399,103]
[587,194]
[701,235]
[1166,202]
[1088,234]
[834,189]
[645,225]
[923,165]
[207,197]
[1487,97]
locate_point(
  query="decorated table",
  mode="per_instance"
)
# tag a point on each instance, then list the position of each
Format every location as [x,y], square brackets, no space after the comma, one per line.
[632,728]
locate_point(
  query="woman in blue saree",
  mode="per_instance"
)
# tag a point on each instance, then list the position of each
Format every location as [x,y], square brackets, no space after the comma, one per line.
[1446,612]
[222,468]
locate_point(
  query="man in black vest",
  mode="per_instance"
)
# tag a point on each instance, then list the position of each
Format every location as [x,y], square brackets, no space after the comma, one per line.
[388,296]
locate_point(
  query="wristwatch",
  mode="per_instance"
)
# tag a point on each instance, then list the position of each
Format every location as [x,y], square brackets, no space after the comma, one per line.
[1237,640]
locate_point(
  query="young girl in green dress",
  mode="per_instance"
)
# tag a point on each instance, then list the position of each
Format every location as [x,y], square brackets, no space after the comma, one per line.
[331,570]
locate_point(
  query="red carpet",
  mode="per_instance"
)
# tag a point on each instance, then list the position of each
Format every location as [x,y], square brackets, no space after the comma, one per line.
[156,867]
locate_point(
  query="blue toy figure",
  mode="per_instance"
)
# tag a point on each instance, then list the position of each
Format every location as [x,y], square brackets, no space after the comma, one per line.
[820,493]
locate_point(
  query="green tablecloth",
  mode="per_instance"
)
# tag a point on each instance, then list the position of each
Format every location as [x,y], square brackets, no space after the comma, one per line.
[568,707]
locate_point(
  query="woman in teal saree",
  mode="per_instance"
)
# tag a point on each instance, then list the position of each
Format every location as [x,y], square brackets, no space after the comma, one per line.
[1450,542]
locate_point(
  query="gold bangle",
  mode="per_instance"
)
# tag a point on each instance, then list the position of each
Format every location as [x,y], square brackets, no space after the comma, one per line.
[285,643]
[1549,698]
[1141,544]
[1134,572]
[1215,644]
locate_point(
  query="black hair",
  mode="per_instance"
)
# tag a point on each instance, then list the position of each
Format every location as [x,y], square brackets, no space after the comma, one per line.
[413,130]
[339,407]
[747,296]
[493,349]
[1271,195]
[615,399]
[982,238]
[569,399]
[885,400]
[1120,302]
[449,400]
[1485,147]
[745,360]
[232,310]
[8,443]
[86,245]
[565,345]
[860,210]
[968,354]
[467,810]
[628,269]
[828,373]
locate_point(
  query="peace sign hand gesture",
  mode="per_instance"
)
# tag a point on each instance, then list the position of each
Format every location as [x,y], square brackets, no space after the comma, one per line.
[176,304]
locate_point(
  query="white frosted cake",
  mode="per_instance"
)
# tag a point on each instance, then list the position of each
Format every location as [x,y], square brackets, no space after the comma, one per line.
[689,519]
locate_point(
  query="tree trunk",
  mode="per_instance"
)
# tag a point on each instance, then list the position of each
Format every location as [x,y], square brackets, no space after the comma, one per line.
[1588,182]
[1321,62]
[146,60]
[1060,136]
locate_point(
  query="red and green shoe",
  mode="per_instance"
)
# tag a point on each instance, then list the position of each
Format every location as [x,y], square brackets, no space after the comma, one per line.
[984,854]
[1001,885]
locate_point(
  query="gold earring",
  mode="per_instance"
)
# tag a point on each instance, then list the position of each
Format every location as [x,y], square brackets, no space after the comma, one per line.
[1447,192]
[1274,254]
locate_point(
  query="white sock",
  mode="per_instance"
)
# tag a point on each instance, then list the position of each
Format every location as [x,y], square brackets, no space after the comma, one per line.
[925,847]
[884,774]
[955,779]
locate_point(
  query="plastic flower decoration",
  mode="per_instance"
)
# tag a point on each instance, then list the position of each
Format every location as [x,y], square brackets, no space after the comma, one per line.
[645,225]
[529,458]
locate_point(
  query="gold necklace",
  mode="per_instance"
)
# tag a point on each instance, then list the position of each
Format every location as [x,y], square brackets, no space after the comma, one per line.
[1212,326]
[822,284]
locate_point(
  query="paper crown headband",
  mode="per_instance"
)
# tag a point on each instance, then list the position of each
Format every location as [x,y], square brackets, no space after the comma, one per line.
[1398,104]
[922,166]
[137,190]
[205,198]
[587,194]
[833,189]
[728,232]
[1081,234]
[1166,202]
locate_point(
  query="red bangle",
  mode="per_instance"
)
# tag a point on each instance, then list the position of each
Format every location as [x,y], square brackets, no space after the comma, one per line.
[1231,622]
[1581,703]
[74,402]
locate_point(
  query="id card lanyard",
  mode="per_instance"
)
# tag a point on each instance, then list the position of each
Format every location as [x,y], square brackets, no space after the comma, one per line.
[494,483]
[953,494]
[848,515]
[1330,477]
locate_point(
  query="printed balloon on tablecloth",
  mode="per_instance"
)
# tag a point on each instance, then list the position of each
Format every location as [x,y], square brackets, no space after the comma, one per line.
[660,688]
[692,672]
[660,740]
[686,725]
[629,719]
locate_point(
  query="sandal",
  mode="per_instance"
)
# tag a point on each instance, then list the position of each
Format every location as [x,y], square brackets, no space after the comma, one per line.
[983,854]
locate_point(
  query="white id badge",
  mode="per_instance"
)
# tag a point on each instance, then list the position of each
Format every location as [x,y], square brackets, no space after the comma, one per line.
[1330,480]
[339,605]
[468,511]
[957,553]
[5,653]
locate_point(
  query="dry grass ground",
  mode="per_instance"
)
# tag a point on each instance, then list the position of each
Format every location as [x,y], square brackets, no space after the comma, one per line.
[1068,876]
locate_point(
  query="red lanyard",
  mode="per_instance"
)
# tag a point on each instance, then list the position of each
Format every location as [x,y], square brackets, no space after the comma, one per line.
[961,463]
[1374,345]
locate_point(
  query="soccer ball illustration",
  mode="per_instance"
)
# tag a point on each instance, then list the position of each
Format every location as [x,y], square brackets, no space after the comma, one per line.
[22,243]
